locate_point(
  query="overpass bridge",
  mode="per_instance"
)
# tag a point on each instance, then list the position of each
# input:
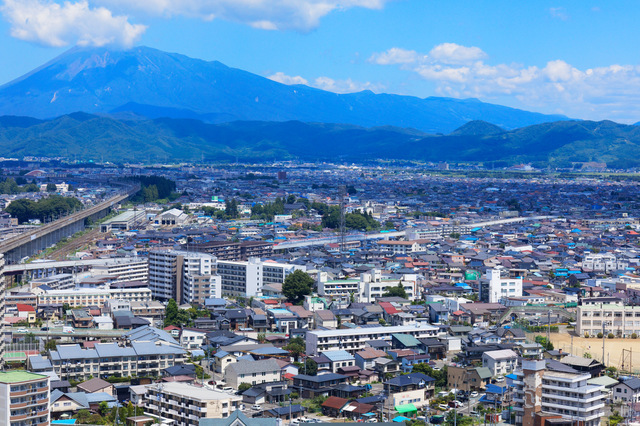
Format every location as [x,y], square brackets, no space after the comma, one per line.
[31,242]
[516,311]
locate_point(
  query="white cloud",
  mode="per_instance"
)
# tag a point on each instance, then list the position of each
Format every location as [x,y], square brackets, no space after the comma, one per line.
[327,83]
[396,55]
[300,15]
[558,13]
[281,77]
[53,24]
[451,53]
[611,92]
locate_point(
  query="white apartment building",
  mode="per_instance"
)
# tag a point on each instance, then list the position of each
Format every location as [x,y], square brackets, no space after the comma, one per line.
[371,285]
[3,293]
[398,247]
[125,268]
[494,288]
[57,281]
[354,340]
[608,318]
[24,399]
[91,296]
[538,391]
[500,362]
[602,262]
[240,278]
[184,404]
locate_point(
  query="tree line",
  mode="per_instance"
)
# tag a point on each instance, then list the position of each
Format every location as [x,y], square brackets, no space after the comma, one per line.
[44,209]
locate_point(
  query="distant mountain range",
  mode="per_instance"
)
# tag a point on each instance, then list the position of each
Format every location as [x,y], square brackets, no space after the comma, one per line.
[87,136]
[154,84]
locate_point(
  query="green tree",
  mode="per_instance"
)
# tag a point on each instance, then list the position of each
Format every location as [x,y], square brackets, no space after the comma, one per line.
[243,387]
[51,187]
[440,376]
[397,291]
[311,367]
[171,313]
[50,345]
[296,347]
[296,286]
[547,345]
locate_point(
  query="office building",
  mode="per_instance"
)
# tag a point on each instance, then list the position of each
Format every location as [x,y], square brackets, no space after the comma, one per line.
[621,320]
[24,399]
[247,278]
[125,269]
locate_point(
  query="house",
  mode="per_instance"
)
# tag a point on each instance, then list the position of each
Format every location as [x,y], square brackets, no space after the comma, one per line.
[325,319]
[585,365]
[192,338]
[333,406]
[438,313]
[221,360]
[339,359]
[468,378]
[366,357]
[26,313]
[413,388]
[322,385]
[627,391]
[252,372]
[271,393]
[96,385]
[500,362]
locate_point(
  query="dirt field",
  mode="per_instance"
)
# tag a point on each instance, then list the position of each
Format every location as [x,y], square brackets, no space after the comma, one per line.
[612,349]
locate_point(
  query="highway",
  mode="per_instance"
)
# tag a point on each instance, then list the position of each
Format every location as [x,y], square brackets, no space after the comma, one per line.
[78,332]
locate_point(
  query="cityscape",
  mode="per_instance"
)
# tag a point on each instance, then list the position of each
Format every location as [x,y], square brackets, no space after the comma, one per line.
[292,212]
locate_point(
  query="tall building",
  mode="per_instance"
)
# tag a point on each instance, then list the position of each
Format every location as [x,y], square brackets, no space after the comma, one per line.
[564,398]
[247,278]
[605,318]
[232,250]
[494,288]
[186,277]
[24,399]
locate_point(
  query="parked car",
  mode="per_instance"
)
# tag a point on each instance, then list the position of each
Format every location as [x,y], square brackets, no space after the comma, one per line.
[256,407]
[455,404]
[443,407]
[500,379]
[473,394]
[474,413]
[21,330]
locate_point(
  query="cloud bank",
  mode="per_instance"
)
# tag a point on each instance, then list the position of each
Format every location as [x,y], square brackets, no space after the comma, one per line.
[463,72]
[327,83]
[52,24]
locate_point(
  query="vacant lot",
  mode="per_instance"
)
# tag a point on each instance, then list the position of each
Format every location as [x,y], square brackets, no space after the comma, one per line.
[612,349]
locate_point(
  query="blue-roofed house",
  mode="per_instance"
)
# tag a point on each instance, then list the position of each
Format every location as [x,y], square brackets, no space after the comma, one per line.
[221,360]
[322,385]
[339,359]
[412,388]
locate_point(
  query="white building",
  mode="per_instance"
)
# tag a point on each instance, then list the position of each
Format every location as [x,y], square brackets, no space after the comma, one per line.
[187,277]
[247,278]
[500,362]
[371,285]
[24,398]
[493,288]
[184,404]
[125,268]
[252,372]
[538,391]
[353,340]
[621,320]
[602,262]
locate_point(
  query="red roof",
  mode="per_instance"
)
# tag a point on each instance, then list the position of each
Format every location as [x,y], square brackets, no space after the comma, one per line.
[25,308]
[171,327]
[388,308]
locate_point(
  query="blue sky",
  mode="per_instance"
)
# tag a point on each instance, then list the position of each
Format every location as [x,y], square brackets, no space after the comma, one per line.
[578,58]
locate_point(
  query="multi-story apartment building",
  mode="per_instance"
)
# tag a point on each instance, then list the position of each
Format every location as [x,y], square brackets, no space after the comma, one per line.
[541,394]
[24,399]
[370,286]
[90,296]
[494,288]
[186,404]
[232,250]
[248,277]
[125,269]
[608,318]
[186,277]
[56,281]
[141,358]
[602,262]
[354,340]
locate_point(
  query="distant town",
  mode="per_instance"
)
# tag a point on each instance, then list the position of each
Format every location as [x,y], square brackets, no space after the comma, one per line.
[292,292]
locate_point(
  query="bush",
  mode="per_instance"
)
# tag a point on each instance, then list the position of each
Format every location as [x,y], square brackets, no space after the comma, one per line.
[586,335]
[610,336]
[600,335]
[634,336]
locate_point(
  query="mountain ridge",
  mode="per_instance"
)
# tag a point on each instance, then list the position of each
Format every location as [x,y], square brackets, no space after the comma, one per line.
[102,81]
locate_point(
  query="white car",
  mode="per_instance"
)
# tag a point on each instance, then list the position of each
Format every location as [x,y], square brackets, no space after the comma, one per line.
[21,330]
[256,407]
[473,394]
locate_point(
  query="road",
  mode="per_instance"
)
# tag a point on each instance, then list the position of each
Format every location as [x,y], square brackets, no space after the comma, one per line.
[78,332]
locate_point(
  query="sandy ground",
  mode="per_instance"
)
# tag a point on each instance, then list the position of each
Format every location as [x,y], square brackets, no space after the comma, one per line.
[612,349]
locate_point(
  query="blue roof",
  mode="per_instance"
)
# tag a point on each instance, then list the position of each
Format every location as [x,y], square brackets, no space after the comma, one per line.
[491,388]
[336,356]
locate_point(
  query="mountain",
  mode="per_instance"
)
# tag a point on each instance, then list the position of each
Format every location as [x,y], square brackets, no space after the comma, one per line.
[86,136]
[477,128]
[153,84]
